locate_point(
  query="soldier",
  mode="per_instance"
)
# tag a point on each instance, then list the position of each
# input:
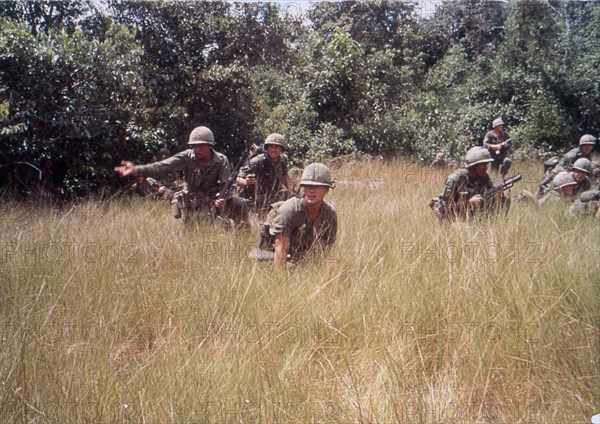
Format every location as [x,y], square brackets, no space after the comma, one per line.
[267,173]
[144,187]
[582,172]
[302,225]
[588,204]
[561,190]
[204,172]
[463,194]
[498,142]
[586,146]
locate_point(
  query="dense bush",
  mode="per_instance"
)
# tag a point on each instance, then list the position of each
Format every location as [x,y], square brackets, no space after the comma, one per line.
[90,85]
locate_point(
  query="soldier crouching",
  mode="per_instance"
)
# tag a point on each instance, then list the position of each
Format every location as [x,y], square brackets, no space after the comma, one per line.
[298,227]
[204,172]
[464,194]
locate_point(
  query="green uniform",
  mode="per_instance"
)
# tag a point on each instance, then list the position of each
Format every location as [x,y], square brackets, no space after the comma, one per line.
[564,164]
[148,188]
[269,179]
[500,160]
[460,187]
[553,197]
[292,220]
[201,182]
[587,204]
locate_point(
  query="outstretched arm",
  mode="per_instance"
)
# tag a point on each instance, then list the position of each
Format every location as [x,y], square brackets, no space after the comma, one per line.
[126,168]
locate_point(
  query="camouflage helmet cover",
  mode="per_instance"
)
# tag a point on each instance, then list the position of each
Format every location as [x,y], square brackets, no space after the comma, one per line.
[275,140]
[201,135]
[497,121]
[316,174]
[587,139]
[583,164]
[563,179]
[477,155]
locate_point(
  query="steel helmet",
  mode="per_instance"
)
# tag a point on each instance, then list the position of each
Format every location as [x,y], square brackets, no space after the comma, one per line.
[275,140]
[497,121]
[563,179]
[201,135]
[587,139]
[584,165]
[316,174]
[477,155]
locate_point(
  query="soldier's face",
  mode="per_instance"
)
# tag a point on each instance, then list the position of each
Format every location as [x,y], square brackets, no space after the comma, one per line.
[481,169]
[579,176]
[568,190]
[315,195]
[274,151]
[586,149]
[202,151]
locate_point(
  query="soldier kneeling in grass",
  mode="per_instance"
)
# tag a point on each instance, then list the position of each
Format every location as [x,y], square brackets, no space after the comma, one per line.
[469,191]
[300,226]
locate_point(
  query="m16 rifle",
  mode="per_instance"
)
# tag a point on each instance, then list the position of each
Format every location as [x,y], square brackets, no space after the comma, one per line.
[504,185]
[228,185]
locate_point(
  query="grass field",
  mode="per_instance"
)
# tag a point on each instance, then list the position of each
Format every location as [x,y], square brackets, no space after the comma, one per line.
[113,313]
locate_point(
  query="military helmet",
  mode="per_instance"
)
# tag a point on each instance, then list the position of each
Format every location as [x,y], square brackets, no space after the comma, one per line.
[275,140]
[563,179]
[201,135]
[497,121]
[477,155]
[587,139]
[584,165]
[316,174]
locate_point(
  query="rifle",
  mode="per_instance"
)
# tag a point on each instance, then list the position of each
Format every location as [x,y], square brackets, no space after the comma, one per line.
[504,185]
[227,186]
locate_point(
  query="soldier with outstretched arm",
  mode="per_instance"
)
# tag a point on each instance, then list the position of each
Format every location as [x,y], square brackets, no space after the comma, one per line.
[204,172]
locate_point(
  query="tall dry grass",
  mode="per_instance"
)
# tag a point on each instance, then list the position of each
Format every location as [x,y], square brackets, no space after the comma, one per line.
[114,313]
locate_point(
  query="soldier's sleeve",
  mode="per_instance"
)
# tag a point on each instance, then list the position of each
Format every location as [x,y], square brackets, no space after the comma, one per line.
[284,220]
[332,230]
[450,188]
[567,160]
[488,140]
[159,169]
[225,170]
[589,196]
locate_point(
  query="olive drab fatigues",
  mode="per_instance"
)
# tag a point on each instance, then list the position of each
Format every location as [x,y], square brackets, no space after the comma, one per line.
[587,204]
[501,163]
[201,183]
[291,219]
[564,164]
[269,180]
[460,187]
[148,188]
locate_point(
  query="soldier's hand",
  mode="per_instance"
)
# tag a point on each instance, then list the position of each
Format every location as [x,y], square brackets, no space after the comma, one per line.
[476,200]
[126,168]
[219,203]
[250,179]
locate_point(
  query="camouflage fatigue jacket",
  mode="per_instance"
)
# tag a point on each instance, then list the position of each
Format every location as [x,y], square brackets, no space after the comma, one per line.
[460,187]
[566,162]
[292,220]
[197,178]
[148,187]
[269,175]
[491,138]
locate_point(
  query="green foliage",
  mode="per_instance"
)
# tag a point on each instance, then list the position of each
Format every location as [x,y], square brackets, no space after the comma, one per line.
[91,83]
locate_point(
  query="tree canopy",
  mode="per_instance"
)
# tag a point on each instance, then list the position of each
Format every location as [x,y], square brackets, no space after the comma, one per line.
[89,83]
